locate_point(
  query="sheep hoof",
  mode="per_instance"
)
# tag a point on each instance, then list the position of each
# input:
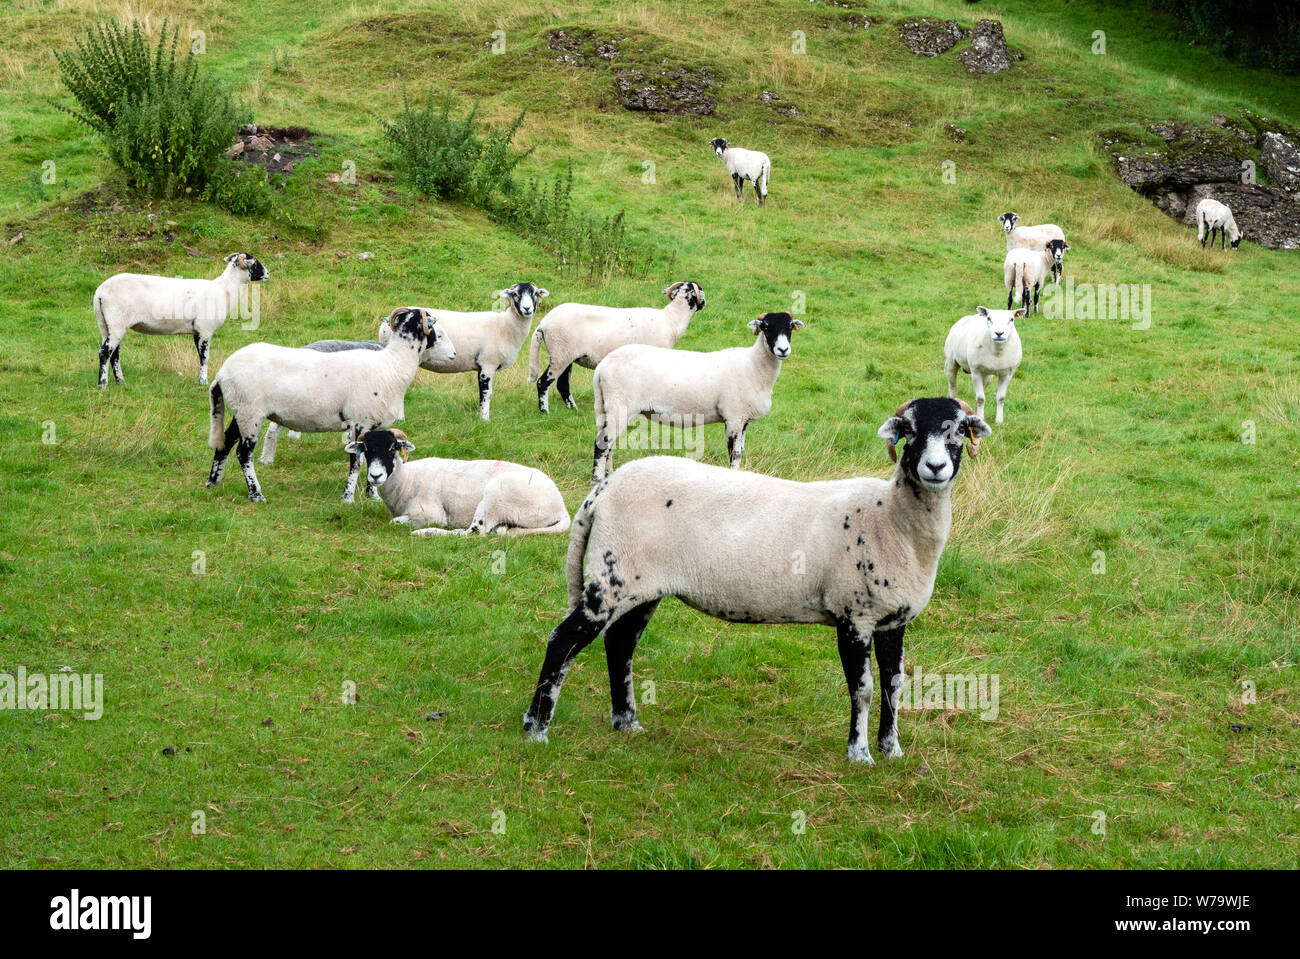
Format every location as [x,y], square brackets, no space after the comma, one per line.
[627,724]
[530,727]
[571,404]
[372,493]
[203,381]
[860,754]
[890,749]
[347,497]
[257,497]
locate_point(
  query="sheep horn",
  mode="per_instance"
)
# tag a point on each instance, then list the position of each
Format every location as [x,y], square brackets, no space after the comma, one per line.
[401,438]
[972,441]
[427,320]
[392,317]
[893,454]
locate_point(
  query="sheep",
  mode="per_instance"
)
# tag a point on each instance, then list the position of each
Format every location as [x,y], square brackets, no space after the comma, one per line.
[984,345]
[731,386]
[859,554]
[1216,216]
[471,496]
[168,305]
[322,346]
[1025,271]
[486,341]
[583,334]
[1033,238]
[315,392]
[744,165]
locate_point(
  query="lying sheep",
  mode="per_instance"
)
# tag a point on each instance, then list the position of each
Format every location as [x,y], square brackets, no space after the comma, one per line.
[1033,238]
[984,345]
[1212,214]
[1025,271]
[690,389]
[583,334]
[169,305]
[471,496]
[486,341]
[272,440]
[858,554]
[315,392]
[744,165]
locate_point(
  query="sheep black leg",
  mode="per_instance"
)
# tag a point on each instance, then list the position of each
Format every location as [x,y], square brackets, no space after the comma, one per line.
[739,184]
[602,456]
[1011,297]
[219,456]
[735,445]
[562,385]
[244,452]
[201,347]
[621,637]
[889,655]
[116,361]
[1037,287]
[485,394]
[543,387]
[571,637]
[855,657]
[105,354]
[354,469]
[758,193]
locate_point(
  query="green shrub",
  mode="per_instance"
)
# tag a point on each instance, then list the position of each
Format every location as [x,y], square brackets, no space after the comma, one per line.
[164,124]
[242,188]
[450,159]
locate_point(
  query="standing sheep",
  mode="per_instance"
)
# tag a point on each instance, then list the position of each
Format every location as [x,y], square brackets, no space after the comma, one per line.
[725,542]
[1216,216]
[744,165]
[315,392]
[486,341]
[169,305]
[584,334]
[470,496]
[984,345]
[1025,271]
[689,389]
[1034,238]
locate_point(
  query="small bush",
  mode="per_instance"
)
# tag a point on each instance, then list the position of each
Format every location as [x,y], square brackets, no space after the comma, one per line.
[242,188]
[164,124]
[450,159]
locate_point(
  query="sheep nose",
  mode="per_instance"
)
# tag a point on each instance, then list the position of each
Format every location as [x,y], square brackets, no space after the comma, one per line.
[935,468]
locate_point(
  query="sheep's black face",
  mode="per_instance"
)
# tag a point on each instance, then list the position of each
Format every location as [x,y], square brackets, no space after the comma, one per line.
[383,450]
[776,330]
[1235,242]
[695,294]
[253,267]
[719,145]
[934,430]
[1009,221]
[524,297]
[1056,253]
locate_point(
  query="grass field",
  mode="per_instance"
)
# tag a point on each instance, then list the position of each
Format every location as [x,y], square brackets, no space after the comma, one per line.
[226,632]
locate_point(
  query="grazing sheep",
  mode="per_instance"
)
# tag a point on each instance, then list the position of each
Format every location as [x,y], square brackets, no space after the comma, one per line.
[1216,216]
[584,334]
[269,444]
[687,388]
[315,392]
[1033,238]
[984,345]
[1025,271]
[858,554]
[486,341]
[1056,250]
[744,165]
[471,496]
[169,305]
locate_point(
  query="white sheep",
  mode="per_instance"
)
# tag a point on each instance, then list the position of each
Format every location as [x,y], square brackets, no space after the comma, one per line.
[315,392]
[470,496]
[169,305]
[1033,238]
[1026,271]
[689,389]
[584,334]
[486,341]
[984,344]
[859,554]
[744,165]
[272,440]
[1212,215]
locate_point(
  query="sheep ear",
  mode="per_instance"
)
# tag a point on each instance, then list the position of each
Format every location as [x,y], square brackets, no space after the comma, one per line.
[542,293]
[756,326]
[982,311]
[891,431]
[1018,314]
[975,430]
[407,446]
[1066,247]
[354,448]
[798,324]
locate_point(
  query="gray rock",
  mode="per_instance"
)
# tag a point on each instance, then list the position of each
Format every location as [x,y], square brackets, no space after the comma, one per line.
[988,49]
[1266,215]
[681,90]
[1281,161]
[929,38]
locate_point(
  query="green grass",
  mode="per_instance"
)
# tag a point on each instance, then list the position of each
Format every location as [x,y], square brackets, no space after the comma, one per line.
[1118,691]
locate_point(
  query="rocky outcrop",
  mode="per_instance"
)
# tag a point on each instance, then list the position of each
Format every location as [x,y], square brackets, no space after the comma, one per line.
[674,89]
[929,38]
[988,51]
[1280,159]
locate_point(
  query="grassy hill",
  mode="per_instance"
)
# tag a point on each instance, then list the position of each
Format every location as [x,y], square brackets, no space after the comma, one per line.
[1121,691]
